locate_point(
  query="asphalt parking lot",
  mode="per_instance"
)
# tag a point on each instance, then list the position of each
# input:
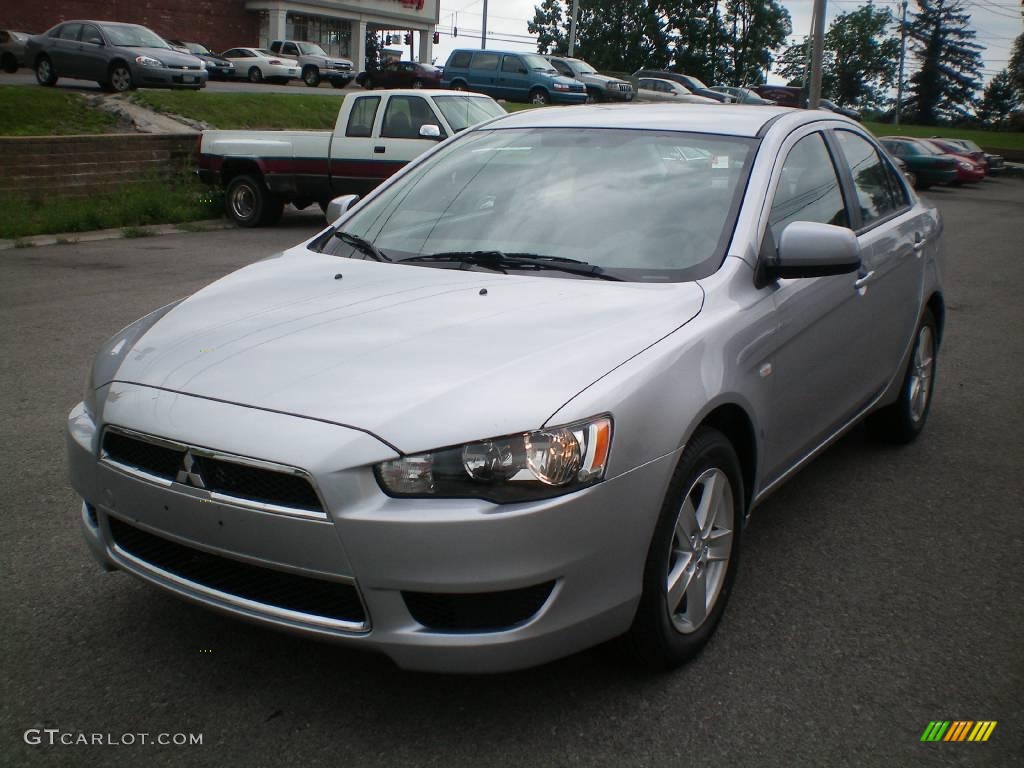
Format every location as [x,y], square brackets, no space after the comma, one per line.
[880,589]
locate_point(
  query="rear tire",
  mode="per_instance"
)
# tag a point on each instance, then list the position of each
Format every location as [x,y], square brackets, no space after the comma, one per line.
[903,421]
[255,75]
[368,83]
[692,559]
[311,76]
[247,201]
[45,73]
[459,85]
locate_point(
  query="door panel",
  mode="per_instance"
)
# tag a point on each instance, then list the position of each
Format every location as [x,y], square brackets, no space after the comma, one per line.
[92,56]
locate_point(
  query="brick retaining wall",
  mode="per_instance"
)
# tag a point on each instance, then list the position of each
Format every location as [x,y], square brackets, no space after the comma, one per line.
[77,166]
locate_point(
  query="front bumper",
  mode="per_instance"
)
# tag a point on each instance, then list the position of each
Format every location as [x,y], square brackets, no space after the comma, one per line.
[588,547]
[167,77]
[568,97]
[612,94]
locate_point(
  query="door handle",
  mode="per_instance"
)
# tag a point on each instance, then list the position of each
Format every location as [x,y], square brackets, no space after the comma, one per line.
[919,241]
[863,280]
[379,150]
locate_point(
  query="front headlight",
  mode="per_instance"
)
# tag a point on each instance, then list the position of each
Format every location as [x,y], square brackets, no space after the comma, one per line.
[148,61]
[561,86]
[524,467]
[965,166]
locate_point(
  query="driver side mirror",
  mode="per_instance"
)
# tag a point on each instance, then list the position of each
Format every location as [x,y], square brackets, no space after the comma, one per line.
[811,249]
[95,41]
[338,206]
[430,131]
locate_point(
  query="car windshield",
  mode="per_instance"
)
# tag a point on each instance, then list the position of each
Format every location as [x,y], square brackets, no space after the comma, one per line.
[197,48]
[463,111]
[132,36]
[971,146]
[311,49]
[659,206]
[533,61]
[694,83]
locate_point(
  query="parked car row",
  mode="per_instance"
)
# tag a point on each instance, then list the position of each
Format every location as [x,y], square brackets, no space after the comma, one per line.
[942,161]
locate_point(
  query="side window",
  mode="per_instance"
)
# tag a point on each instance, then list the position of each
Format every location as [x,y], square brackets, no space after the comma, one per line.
[483,60]
[460,59]
[290,48]
[808,188]
[360,119]
[897,185]
[874,195]
[405,115]
[91,35]
[514,65]
[561,67]
[70,31]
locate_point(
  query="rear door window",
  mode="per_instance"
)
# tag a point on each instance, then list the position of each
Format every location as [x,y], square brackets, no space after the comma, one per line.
[360,119]
[70,31]
[485,61]
[460,59]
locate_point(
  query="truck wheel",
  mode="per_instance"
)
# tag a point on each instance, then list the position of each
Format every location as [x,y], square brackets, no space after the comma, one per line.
[247,200]
[368,83]
[539,96]
[45,73]
[255,75]
[593,97]
[311,76]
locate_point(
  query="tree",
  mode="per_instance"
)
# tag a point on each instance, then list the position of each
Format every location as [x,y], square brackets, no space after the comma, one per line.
[860,58]
[374,47]
[550,26]
[945,86]
[1000,101]
[1017,66]
[755,29]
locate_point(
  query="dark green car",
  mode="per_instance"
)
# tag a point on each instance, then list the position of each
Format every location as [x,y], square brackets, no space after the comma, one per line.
[928,167]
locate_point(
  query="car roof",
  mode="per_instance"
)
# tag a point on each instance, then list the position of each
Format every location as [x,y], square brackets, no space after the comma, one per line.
[723,119]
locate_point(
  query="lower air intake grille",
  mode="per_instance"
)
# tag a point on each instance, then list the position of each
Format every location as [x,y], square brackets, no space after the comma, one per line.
[302,594]
[475,612]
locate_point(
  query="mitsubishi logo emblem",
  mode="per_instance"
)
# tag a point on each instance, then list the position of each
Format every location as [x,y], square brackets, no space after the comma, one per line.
[189,472]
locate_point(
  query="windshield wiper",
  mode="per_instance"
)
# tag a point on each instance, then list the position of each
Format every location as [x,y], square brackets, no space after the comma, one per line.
[362,245]
[502,262]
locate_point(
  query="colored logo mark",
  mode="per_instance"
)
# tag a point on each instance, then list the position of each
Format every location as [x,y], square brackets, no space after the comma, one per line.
[958,730]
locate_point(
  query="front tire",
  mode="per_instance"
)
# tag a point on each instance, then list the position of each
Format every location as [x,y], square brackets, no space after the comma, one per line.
[45,73]
[311,76]
[902,421]
[255,75]
[120,78]
[693,554]
[540,97]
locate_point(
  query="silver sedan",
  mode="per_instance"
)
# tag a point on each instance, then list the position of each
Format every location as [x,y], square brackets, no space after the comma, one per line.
[516,402]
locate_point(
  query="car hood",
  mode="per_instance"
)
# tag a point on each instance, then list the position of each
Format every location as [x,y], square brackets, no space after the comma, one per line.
[214,60]
[421,357]
[603,79]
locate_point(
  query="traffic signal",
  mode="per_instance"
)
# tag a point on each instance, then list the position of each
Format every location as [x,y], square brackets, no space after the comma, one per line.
[437,38]
[408,38]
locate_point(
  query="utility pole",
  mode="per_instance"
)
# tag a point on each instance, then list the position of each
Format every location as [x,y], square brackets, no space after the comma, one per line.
[903,56]
[483,32]
[572,26]
[817,53]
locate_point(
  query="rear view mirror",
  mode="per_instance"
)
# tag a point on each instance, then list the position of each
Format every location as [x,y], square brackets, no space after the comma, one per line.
[810,249]
[430,132]
[339,205]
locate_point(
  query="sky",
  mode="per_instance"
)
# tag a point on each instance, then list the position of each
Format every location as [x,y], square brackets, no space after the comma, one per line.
[997,23]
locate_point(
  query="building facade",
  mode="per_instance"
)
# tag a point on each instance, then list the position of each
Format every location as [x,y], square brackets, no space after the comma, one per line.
[339,26]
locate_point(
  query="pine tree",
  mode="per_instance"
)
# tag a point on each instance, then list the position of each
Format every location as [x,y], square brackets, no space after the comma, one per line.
[1017,66]
[999,102]
[945,86]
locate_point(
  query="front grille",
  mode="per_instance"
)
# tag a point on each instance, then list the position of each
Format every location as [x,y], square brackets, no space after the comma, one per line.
[219,475]
[476,612]
[301,594]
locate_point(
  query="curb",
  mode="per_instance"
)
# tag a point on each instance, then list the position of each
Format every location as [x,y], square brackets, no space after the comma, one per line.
[96,235]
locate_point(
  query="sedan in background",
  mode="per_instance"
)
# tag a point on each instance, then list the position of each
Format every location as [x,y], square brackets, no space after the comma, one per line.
[743,95]
[120,57]
[994,164]
[564,365]
[217,67]
[401,74]
[968,171]
[656,89]
[258,65]
[12,49]
[929,167]
[692,84]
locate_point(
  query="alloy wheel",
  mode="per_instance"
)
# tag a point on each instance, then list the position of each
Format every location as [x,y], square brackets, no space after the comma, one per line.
[699,551]
[921,373]
[44,71]
[120,79]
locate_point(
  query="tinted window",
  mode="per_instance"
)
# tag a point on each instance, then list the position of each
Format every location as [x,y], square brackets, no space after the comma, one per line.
[896,184]
[70,31]
[514,65]
[464,111]
[289,48]
[91,34]
[808,188]
[405,115]
[874,196]
[360,119]
[561,67]
[132,36]
[507,190]
[460,59]
[483,60]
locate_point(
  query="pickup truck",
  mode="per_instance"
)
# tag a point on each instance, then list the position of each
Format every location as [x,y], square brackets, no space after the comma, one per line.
[375,135]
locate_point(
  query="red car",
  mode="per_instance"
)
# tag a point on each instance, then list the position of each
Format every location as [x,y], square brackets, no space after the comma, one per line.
[968,171]
[401,74]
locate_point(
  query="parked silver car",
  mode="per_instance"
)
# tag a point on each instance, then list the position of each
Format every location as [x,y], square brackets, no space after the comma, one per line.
[657,89]
[12,49]
[118,56]
[479,423]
